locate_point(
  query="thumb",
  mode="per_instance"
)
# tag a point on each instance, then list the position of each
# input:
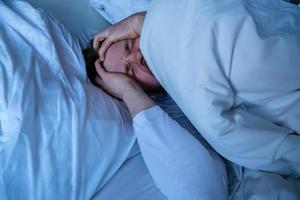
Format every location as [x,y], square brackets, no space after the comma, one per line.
[105,45]
[99,38]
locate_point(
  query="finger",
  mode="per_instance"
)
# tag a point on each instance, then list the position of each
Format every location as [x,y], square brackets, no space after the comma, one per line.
[105,45]
[103,86]
[98,38]
[100,70]
[96,42]
[100,82]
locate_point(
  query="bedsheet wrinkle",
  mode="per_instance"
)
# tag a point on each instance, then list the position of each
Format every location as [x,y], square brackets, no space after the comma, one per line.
[60,137]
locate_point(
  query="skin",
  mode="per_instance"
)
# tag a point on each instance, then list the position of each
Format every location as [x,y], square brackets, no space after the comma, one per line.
[129,28]
[125,75]
[125,88]
[126,57]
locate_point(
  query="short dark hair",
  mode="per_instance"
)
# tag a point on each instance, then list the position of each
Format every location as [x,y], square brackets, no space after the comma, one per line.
[90,57]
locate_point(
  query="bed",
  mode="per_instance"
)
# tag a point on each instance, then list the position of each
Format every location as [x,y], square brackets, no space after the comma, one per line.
[53,143]
[61,137]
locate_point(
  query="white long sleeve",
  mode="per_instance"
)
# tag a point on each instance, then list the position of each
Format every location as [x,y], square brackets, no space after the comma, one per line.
[180,165]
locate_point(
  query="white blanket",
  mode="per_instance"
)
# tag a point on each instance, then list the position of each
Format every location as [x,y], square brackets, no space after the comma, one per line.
[60,137]
[234,69]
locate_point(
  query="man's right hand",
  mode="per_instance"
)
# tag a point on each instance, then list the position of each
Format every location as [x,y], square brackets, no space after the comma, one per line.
[129,28]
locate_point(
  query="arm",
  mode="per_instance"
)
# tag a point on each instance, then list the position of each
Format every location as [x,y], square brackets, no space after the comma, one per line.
[137,100]
[180,165]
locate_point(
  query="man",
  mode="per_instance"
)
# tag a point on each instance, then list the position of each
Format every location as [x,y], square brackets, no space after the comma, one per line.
[125,57]
[181,163]
[225,112]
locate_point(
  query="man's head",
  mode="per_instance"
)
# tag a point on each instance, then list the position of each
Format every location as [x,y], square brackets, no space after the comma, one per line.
[123,57]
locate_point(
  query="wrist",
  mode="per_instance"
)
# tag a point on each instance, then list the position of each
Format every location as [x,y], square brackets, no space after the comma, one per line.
[136,99]
[131,88]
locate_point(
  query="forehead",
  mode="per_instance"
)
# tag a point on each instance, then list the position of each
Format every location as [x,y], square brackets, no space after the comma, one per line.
[115,57]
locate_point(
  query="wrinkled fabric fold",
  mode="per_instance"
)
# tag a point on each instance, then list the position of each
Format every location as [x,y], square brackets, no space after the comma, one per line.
[60,137]
[233,68]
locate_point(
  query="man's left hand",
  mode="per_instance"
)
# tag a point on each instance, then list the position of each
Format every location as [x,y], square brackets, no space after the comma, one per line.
[124,88]
[113,83]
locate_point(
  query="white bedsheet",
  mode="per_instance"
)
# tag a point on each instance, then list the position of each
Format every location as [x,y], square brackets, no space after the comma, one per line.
[60,137]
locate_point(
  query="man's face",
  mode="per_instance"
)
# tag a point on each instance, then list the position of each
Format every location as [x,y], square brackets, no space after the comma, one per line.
[126,57]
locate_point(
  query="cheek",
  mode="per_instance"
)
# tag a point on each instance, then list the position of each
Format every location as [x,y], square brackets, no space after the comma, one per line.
[113,61]
[112,58]
[115,52]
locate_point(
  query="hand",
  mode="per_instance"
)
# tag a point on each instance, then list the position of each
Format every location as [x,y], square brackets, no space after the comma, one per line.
[115,84]
[124,88]
[129,28]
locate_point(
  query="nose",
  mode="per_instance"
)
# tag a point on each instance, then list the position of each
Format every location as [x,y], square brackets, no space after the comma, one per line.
[135,57]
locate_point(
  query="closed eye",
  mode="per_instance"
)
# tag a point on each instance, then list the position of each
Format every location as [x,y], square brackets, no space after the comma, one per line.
[127,48]
[129,70]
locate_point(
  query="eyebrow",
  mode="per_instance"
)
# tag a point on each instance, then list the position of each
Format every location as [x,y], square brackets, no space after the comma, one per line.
[127,68]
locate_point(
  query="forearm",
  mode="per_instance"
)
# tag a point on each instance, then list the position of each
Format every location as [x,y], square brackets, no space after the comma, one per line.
[136,99]
[180,165]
